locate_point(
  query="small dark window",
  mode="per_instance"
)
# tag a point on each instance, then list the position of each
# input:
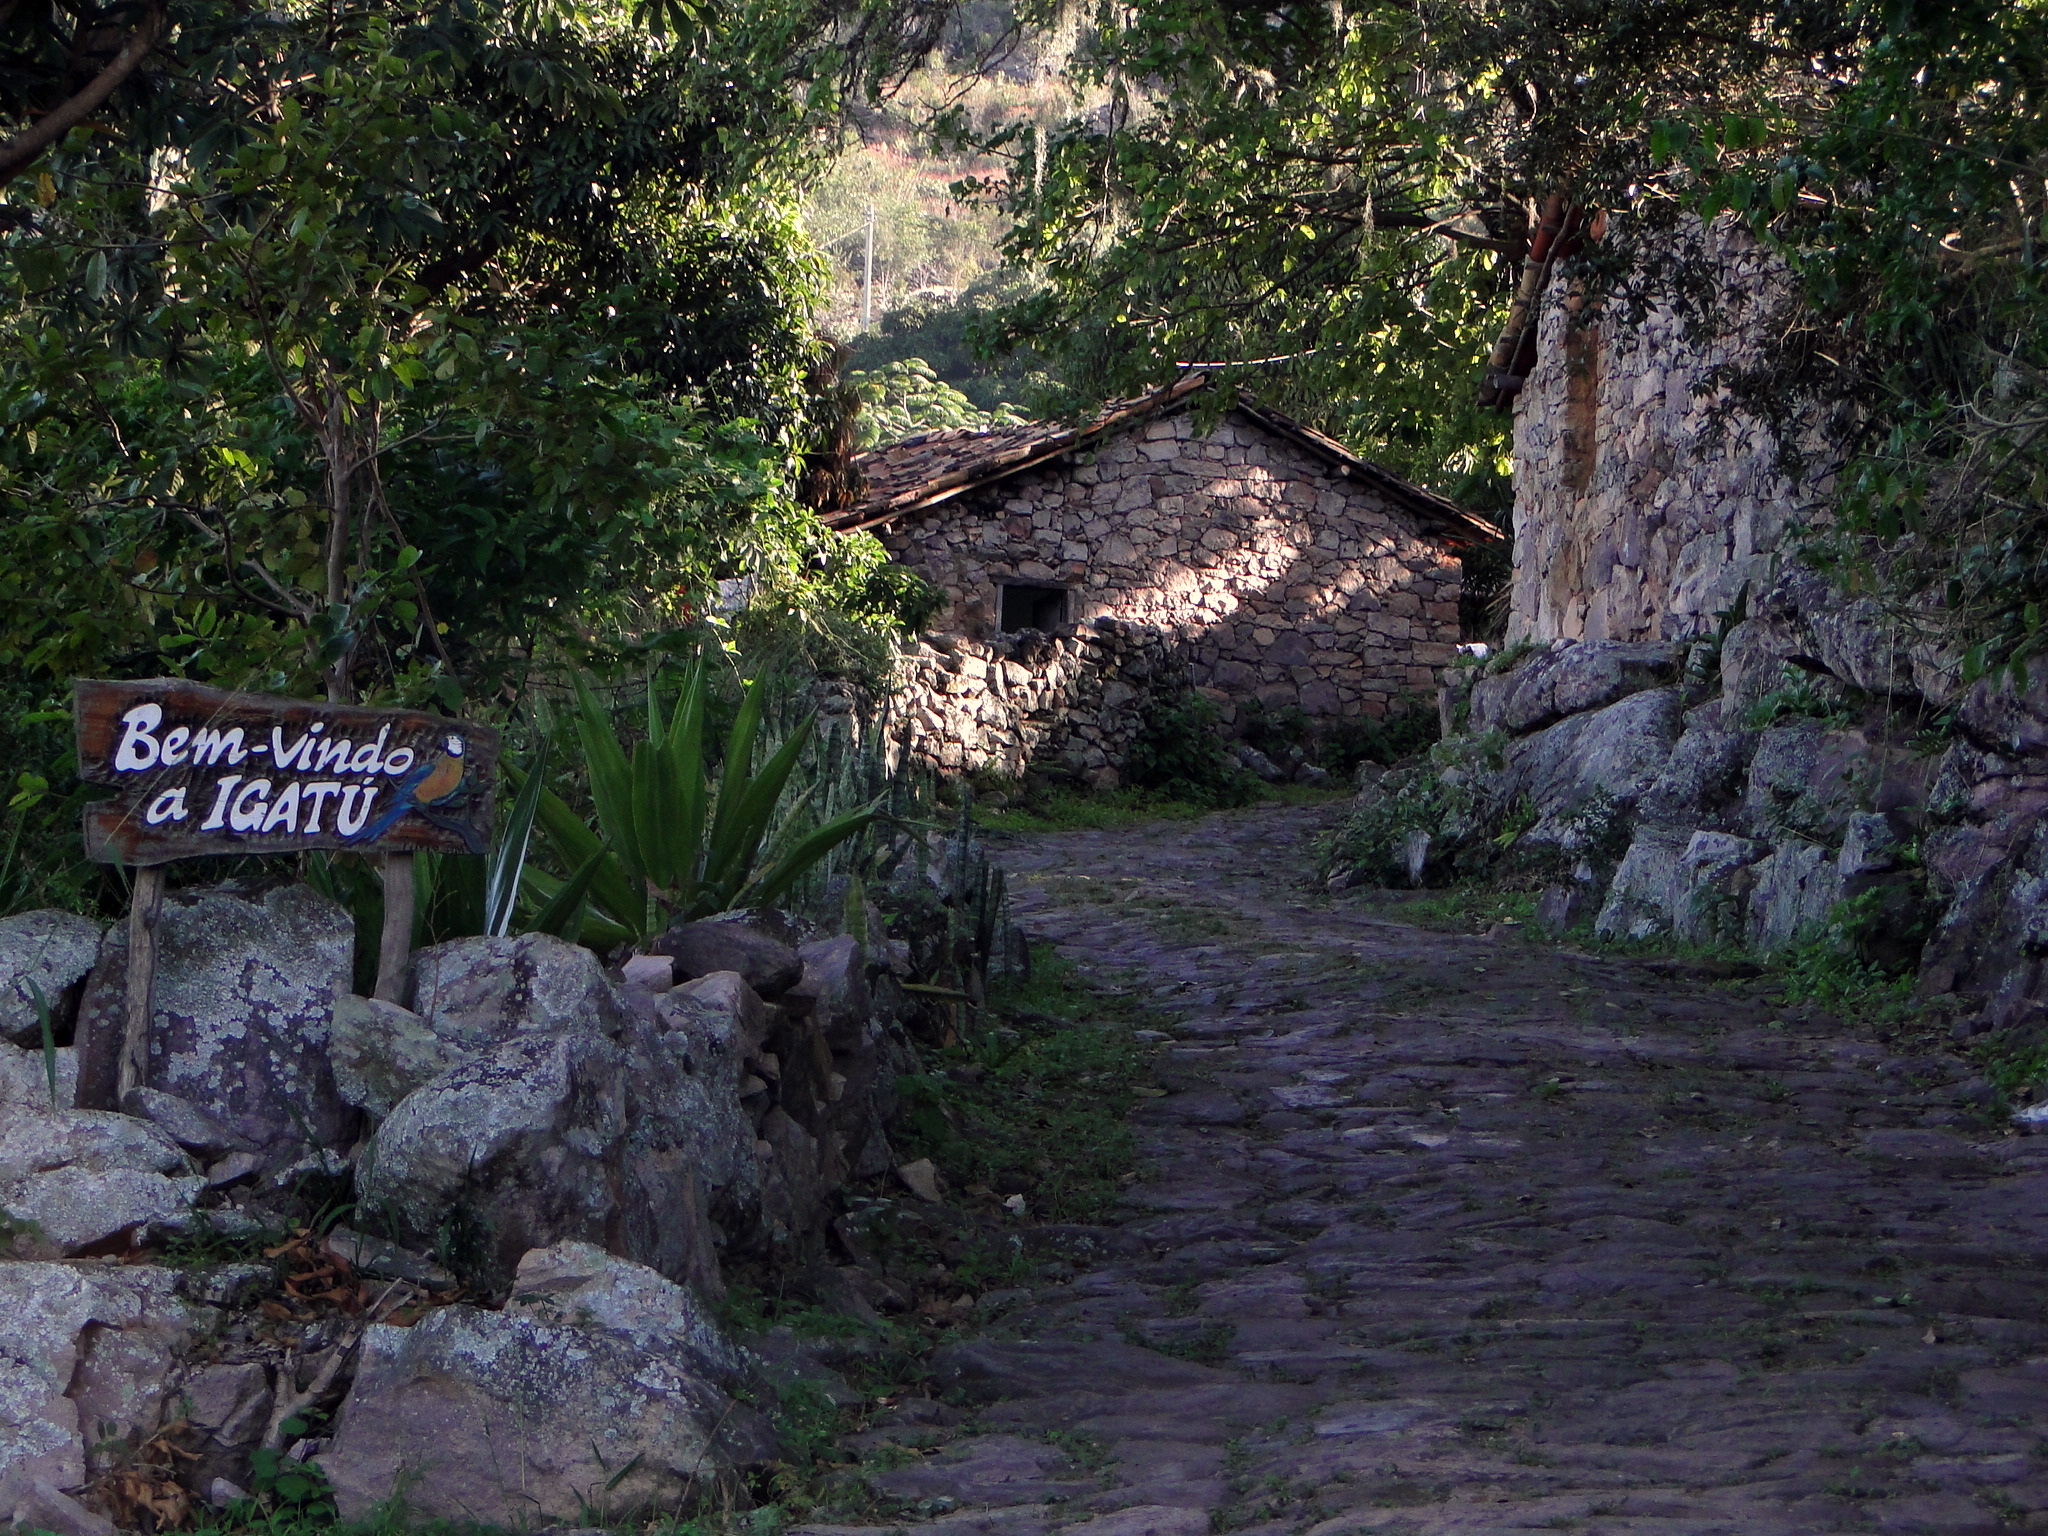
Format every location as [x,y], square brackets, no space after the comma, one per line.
[1041,608]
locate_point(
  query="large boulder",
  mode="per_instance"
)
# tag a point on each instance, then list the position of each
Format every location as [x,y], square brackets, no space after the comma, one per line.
[1992,942]
[89,1181]
[1569,680]
[1715,881]
[247,975]
[1604,758]
[25,1078]
[867,1054]
[506,1419]
[515,1148]
[835,978]
[1690,883]
[87,1361]
[1646,888]
[380,1052]
[737,942]
[191,1127]
[1794,891]
[1806,780]
[1860,643]
[226,1408]
[1754,662]
[690,1145]
[2006,715]
[474,993]
[582,1285]
[1702,782]
[43,954]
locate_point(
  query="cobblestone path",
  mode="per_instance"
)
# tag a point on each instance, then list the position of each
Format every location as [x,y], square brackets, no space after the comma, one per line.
[1445,1234]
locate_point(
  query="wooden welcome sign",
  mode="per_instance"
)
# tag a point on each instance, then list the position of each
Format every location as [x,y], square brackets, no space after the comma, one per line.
[205,772]
[199,772]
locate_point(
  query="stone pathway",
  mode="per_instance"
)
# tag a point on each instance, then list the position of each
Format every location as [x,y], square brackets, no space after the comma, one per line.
[1444,1234]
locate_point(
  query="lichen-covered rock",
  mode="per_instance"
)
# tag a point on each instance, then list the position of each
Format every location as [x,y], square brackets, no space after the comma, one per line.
[1796,888]
[380,1052]
[25,1078]
[85,1138]
[2009,716]
[1753,665]
[1687,883]
[79,1181]
[247,974]
[767,964]
[504,1419]
[1856,639]
[1701,783]
[581,1285]
[519,1147]
[184,1122]
[689,1144]
[477,992]
[73,1211]
[1569,680]
[836,979]
[86,1358]
[797,1173]
[1871,845]
[1607,757]
[1713,887]
[1992,942]
[45,953]
[1806,780]
[1646,888]
[227,1407]
[867,1054]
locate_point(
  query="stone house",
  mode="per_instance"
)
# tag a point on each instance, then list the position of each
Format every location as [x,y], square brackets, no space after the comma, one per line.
[1276,563]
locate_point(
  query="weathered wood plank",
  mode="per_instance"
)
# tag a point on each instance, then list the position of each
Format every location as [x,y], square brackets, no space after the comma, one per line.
[201,771]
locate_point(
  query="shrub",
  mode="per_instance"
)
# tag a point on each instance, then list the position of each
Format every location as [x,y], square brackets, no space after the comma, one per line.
[1455,818]
[1179,753]
[1387,740]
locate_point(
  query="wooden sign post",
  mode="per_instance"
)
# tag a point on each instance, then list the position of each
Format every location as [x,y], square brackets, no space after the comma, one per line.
[202,773]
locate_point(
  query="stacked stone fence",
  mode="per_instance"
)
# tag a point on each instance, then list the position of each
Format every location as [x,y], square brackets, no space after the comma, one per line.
[1073,701]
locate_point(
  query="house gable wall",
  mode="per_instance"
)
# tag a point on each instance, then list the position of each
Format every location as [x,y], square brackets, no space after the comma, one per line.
[1279,578]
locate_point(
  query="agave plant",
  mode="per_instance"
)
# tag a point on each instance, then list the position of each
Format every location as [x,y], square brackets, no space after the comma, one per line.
[671,842]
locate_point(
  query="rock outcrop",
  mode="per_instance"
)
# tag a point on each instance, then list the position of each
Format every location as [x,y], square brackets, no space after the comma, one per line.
[247,975]
[44,958]
[87,1363]
[586,1147]
[506,1419]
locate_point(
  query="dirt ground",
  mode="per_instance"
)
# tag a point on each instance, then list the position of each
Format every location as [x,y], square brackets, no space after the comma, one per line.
[1448,1234]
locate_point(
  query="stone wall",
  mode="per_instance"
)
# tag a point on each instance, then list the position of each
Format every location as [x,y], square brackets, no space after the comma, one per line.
[1277,577]
[1074,701]
[1638,514]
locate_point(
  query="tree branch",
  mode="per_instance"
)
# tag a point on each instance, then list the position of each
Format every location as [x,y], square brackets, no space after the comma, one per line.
[26,147]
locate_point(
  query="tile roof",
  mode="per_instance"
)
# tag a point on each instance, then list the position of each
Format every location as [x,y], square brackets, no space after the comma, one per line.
[934,467]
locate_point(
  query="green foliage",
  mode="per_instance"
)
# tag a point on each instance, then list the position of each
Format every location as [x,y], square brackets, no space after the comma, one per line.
[282,1486]
[1384,739]
[1034,1097]
[1802,696]
[1179,753]
[903,398]
[673,843]
[945,335]
[305,466]
[1415,825]
[387,352]
[1896,195]
[2014,1062]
